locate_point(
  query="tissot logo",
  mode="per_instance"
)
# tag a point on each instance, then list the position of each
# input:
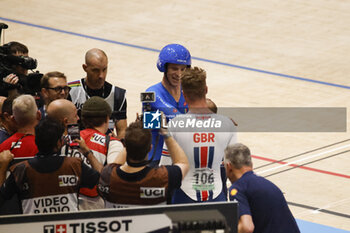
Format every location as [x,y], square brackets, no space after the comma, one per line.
[67,180]
[91,227]
[59,228]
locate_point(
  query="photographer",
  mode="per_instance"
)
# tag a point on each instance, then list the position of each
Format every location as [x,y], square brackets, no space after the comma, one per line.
[14,65]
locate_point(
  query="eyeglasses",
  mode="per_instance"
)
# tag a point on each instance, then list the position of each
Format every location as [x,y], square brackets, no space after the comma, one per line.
[59,89]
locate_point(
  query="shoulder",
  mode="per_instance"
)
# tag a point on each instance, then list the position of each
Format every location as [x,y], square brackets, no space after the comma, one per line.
[19,167]
[73,160]
[173,170]
[119,89]
[76,83]
[155,87]
[106,170]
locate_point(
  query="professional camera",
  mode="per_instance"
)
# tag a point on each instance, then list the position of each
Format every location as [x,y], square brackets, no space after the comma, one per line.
[146,99]
[27,84]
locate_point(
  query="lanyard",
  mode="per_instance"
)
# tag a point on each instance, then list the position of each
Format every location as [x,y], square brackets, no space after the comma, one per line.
[12,147]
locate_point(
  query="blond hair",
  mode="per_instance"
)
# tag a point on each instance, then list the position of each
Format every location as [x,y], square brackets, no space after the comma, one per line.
[193,83]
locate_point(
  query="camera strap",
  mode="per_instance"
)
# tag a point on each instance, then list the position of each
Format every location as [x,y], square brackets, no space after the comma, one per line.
[18,141]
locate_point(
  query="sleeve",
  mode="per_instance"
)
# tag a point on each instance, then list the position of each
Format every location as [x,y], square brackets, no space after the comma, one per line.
[89,176]
[165,158]
[115,147]
[174,176]
[243,204]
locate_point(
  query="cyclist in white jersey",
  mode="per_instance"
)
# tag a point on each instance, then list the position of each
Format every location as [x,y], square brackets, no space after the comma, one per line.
[203,135]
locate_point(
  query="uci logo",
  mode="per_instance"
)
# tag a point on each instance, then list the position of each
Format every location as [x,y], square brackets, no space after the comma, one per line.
[99,139]
[149,192]
[68,180]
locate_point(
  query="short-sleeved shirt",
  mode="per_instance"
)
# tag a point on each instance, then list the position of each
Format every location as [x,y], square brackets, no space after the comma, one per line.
[265,202]
[21,145]
[166,103]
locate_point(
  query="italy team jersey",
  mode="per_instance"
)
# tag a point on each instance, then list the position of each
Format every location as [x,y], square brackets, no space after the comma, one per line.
[166,103]
[203,137]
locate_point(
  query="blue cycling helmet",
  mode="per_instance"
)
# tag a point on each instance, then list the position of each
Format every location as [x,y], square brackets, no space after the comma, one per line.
[173,53]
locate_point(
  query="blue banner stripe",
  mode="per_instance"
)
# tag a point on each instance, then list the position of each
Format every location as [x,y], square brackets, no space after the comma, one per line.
[198,193]
[211,156]
[196,157]
[210,195]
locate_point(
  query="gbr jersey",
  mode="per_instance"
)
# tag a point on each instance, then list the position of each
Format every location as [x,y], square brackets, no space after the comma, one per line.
[203,137]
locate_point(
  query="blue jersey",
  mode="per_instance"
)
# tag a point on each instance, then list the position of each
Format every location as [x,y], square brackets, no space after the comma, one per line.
[265,202]
[166,103]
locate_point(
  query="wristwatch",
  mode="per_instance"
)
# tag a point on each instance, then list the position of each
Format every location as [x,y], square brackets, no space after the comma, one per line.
[167,135]
[87,153]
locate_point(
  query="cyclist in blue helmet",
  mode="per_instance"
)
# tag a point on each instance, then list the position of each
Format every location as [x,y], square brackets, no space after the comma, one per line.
[172,61]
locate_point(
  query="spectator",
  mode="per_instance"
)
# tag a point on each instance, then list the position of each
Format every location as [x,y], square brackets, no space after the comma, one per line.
[9,126]
[130,183]
[48,182]
[104,149]
[95,84]
[204,136]
[53,86]
[15,49]
[3,132]
[26,117]
[172,61]
[262,206]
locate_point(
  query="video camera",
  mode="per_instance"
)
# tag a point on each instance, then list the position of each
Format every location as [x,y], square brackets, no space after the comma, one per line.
[27,84]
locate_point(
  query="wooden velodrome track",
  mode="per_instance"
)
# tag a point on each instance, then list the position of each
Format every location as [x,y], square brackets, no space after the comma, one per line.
[256,53]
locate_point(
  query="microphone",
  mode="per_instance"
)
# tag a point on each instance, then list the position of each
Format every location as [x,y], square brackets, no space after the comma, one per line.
[3,26]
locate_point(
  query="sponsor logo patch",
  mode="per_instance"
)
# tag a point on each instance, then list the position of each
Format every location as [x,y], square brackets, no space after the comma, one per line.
[68,180]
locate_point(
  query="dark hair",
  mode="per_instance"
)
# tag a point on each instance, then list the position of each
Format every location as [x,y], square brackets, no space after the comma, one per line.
[15,47]
[47,134]
[44,82]
[92,122]
[137,141]
[7,105]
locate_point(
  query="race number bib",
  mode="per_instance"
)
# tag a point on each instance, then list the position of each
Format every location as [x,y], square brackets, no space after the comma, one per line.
[203,179]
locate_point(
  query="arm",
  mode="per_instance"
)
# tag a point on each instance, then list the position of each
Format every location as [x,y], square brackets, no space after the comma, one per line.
[115,148]
[85,150]
[245,224]
[120,127]
[5,158]
[121,158]
[177,154]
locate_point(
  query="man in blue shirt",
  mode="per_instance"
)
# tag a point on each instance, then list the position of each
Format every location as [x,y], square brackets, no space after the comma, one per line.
[172,61]
[262,206]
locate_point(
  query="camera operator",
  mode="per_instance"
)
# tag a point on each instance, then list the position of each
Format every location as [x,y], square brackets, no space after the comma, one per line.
[14,65]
